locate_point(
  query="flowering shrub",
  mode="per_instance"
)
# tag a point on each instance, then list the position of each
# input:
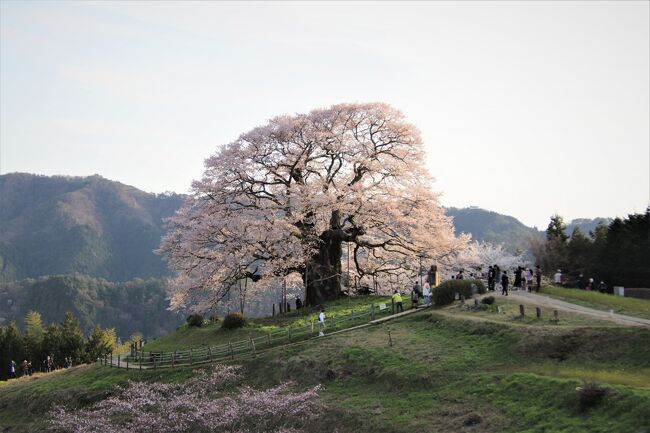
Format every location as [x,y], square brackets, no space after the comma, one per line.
[197,405]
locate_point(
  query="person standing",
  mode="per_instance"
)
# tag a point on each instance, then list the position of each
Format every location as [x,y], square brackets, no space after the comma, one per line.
[491,276]
[397,300]
[415,295]
[529,279]
[497,274]
[504,283]
[12,369]
[321,323]
[427,293]
[538,278]
[557,278]
[517,284]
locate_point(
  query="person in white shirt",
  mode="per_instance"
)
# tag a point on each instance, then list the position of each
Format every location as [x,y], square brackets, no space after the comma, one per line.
[427,293]
[321,323]
[557,278]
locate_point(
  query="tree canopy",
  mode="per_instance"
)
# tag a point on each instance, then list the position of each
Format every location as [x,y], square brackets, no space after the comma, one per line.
[285,197]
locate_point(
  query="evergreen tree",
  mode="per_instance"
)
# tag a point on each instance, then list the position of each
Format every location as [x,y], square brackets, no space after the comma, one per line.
[72,338]
[579,256]
[556,229]
[53,343]
[624,258]
[101,342]
[34,334]
[556,249]
[12,347]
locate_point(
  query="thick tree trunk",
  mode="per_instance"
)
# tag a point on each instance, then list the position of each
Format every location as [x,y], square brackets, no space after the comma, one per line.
[324,270]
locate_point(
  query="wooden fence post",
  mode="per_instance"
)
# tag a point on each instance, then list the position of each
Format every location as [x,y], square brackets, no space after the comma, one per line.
[372,312]
[210,352]
[273,313]
[268,338]
[521,310]
[252,344]
[127,363]
[538,312]
[111,358]
[390,339]
[118,360]
[141,355]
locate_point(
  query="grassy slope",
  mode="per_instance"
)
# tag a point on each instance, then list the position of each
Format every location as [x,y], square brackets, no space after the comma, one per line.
[442,370]
[212,334]
[601,301]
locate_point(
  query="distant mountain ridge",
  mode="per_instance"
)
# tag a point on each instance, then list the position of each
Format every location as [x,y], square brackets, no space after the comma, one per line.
[496,228]
[52,225]
[89,225]
[586,225]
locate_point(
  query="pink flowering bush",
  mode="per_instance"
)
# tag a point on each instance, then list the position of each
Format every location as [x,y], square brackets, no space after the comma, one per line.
[198,405]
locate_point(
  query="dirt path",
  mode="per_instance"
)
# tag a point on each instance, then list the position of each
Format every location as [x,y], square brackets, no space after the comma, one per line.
[567,306]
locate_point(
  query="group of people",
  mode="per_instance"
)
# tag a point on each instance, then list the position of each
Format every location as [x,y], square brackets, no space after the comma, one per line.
[582,282]
[524,279]
[417,292]
[27,369]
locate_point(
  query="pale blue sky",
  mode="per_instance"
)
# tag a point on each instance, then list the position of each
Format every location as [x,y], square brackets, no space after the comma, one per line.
[526,108]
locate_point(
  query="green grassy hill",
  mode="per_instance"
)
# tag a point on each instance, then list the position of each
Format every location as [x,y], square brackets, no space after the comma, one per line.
[447,370]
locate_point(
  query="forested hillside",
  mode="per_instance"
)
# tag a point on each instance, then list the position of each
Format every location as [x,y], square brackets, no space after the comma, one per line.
[90,225]
[133,306]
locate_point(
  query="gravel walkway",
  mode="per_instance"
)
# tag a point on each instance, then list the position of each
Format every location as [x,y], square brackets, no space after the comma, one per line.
[541,300]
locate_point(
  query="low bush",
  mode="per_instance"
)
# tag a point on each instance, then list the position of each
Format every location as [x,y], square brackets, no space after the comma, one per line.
[195,320]
[591,394]
[233,321]
[489,300]
[445,293]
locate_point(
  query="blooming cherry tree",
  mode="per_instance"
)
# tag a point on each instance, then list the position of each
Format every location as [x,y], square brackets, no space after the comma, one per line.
[286,197]
[483,254]
[198,405]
